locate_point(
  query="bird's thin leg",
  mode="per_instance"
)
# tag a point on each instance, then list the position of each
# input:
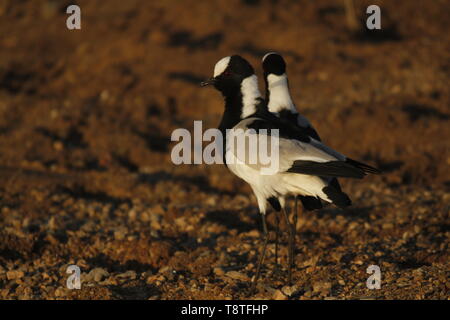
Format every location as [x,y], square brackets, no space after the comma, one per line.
[263,252]
[294,229]
[277,232]
[291,243]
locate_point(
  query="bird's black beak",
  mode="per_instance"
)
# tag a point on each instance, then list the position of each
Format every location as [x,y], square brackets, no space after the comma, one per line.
[208,82]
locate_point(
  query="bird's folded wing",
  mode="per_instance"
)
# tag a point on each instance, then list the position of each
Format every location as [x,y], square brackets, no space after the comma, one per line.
[304,123]
[300,122]
[288,154]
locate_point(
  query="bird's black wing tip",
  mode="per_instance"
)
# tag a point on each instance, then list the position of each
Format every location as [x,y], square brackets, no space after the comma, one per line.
[364,167]
[327,169]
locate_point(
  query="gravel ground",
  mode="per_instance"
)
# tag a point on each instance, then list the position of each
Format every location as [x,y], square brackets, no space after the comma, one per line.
[86,177]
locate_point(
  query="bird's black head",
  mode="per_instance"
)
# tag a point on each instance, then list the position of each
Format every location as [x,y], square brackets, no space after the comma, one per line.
[273,63]
[229,72]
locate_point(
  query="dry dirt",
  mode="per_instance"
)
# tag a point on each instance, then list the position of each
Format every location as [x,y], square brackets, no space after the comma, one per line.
[86,174]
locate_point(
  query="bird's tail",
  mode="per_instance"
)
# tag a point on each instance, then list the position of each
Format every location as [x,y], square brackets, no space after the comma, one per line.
[337,197]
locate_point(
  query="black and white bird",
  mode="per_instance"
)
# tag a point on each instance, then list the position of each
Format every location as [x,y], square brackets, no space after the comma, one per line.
[279,102]
[305,165]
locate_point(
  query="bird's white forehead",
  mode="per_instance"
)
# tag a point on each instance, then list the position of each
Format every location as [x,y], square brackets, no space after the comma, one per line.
[221,66]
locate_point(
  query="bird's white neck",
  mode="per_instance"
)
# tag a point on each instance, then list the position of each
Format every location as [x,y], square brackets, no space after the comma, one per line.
[250,96]
[279,98]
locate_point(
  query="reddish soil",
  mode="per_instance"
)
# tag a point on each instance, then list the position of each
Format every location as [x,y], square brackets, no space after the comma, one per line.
[86,174]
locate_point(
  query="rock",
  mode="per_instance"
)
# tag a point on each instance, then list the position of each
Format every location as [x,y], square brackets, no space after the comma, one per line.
[156,279]
[211,201]
[160,252]
[155,225]
[237,275]
[14,274]
[120,234]
[167,272]
[387,226]
[219,271]
[337,256]
[289,290]
[311,262]
[132,214]
[165,269]
[60,292]
[97,275]
[322,287]
[129,274]
[58,145]
[181,222]
[278,295]
[52,224]
[80,263]
[253,234]
[4,293]
[158,210]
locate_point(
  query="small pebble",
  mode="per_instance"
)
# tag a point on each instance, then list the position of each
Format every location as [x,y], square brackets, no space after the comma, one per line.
[14,274]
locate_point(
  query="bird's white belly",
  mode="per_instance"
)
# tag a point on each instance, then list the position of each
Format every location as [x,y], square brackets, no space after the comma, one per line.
[277,184]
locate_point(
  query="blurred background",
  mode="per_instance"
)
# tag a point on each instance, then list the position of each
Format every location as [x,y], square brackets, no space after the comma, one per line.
[85,123]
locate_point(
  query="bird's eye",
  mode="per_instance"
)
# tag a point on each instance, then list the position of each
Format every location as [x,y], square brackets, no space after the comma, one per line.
[227,73]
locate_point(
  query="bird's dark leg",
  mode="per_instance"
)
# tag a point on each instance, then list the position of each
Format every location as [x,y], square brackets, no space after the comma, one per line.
[263,253]
[294,229]
[277,232]
[291,244]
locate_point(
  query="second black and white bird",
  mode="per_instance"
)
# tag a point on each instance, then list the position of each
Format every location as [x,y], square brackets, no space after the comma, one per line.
[305,164]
